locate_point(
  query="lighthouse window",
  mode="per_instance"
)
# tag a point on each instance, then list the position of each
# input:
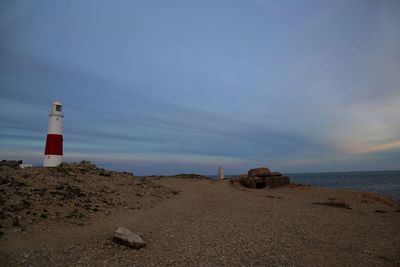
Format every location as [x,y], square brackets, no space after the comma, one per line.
[58,108]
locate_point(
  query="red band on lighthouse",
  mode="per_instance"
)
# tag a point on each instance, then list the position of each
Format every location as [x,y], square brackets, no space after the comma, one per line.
[54,144]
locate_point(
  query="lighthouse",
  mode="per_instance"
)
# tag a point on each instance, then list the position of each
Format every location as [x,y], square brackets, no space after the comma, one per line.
[54,141]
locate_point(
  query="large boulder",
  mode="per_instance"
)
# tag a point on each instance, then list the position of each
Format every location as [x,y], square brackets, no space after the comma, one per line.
[263,177]
[276,181]
[253,182]
[125,236]
[276,174]
[248,182]
[258,172]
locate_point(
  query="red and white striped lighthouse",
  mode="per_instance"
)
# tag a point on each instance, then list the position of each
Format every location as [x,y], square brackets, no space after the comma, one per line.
[54,141]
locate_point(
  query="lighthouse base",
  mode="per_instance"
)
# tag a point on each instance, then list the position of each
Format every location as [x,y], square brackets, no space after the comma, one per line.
[52,160]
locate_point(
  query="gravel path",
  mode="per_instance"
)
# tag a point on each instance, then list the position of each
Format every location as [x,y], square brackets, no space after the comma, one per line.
[216,223]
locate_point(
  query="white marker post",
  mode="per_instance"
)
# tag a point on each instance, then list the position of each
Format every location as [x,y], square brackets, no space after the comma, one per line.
[221,173]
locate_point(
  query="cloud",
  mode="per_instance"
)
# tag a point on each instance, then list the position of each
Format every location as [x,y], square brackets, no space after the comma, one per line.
[367,149]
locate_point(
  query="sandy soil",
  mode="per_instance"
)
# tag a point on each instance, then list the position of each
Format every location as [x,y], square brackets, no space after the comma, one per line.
[211,223]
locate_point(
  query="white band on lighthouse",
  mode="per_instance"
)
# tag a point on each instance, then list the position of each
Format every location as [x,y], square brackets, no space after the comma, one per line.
[54,141]
[52,160]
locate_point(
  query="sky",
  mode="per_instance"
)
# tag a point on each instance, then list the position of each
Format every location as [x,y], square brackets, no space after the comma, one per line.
[165,87]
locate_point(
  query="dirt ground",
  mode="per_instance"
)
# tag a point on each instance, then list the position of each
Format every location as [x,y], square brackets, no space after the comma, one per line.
[190,222]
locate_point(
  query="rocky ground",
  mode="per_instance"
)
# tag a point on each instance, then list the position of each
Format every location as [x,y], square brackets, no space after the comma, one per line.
[189,222]
[71,193]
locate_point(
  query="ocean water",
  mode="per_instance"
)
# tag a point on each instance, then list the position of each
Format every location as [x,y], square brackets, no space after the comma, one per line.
[386,183]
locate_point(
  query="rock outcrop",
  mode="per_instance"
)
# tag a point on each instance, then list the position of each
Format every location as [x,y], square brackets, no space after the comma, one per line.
[10,163]
[263,177]
[71,193]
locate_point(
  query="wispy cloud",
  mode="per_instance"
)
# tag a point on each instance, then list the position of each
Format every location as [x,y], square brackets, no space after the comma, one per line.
[367,149]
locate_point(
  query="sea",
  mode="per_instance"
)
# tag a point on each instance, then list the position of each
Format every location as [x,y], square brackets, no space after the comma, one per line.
[385,183]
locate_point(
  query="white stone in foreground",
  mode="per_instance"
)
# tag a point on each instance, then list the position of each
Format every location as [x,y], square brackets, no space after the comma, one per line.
[125,236]
[25,166]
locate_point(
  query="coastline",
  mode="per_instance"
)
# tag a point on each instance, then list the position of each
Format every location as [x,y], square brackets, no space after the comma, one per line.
[187,220]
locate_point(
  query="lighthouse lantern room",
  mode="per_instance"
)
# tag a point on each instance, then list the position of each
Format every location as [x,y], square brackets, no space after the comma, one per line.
[54,141]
